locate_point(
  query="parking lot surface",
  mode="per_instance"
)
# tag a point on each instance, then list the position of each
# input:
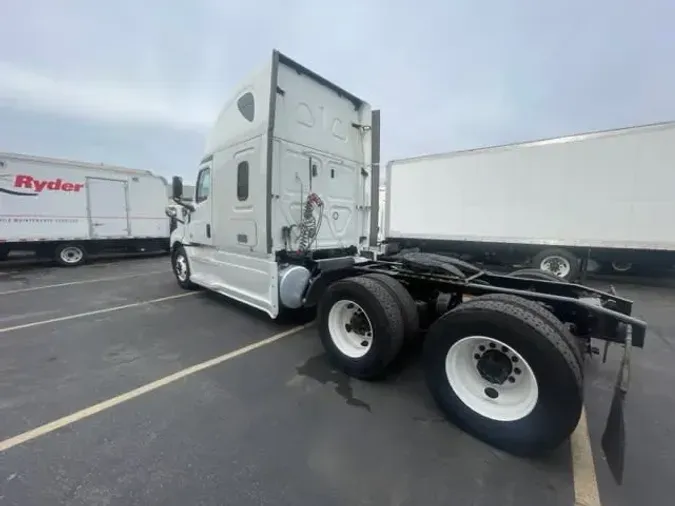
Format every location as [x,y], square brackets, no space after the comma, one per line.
[91,413]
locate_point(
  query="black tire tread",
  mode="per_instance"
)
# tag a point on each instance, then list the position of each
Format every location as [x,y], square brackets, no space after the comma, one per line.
[546,315]
[536,317]
[393,312]
[411,322]
[393,321]
[543,327]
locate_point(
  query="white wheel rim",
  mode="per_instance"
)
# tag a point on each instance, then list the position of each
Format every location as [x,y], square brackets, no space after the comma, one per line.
[181,267]
[350,329]
[557,265]
[71,254]
[621,266]
[515,397]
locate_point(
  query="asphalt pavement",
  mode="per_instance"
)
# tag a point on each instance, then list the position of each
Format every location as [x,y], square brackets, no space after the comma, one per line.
[118,387]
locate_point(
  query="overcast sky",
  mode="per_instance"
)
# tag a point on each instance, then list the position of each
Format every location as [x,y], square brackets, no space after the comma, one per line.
[138,83]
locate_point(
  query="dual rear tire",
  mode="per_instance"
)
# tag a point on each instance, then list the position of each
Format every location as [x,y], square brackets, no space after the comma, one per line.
[362,326]
[500,367]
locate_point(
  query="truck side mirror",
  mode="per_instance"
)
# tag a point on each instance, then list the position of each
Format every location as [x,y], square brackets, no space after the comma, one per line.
[176,187]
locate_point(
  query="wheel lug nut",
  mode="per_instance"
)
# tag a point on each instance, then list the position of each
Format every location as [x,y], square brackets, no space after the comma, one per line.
[493,345]
[512,379]
[481,348]
[476,356]
[505,349]
[364,343]
[514,359]
[350,306]
[516,370]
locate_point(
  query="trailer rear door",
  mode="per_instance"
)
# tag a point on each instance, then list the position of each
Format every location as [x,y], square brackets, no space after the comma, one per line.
[108,208]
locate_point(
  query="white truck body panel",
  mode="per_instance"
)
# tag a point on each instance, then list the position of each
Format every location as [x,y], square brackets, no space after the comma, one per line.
[611,189]
[286,132]
[45,199]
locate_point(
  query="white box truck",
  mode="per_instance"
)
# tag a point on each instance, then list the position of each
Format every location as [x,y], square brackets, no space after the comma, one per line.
[607,196]
[67,210]
[284,215]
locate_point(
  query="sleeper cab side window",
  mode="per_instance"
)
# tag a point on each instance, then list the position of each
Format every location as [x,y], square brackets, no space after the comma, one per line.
[242,181]
[203,185]
[246,106]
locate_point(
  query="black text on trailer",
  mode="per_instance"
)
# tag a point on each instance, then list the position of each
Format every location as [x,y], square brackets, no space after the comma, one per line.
[284,213]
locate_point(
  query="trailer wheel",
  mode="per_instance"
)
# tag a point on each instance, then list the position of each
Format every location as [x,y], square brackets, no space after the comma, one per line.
[181,268]
[70,254]
[536,274]
[504,374]
[411,321]
[621,267]
[559,262]
[361,326]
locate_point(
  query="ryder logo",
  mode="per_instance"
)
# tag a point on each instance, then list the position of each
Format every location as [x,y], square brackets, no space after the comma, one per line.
[38,186]
[22,181]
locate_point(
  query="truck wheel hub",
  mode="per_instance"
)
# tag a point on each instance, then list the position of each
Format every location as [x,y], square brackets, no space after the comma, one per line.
[181,267]
[491,378]
[71,255]
[494,366]
[350,329]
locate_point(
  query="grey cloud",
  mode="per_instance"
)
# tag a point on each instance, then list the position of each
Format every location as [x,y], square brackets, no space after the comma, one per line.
[446,76]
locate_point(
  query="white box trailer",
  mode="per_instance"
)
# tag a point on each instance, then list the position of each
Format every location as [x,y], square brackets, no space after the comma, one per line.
[604,195]
[67,209]
[283,220]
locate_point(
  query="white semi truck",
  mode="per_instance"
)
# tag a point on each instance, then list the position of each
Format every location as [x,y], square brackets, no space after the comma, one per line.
[285,220]
[67,210]
[552,204]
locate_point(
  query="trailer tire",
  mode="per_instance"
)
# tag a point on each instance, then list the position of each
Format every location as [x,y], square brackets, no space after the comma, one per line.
[541,405]
[621,267]
[372,309]
[70,254]
[567,261]
[180,266]
[411,320]
[536,274]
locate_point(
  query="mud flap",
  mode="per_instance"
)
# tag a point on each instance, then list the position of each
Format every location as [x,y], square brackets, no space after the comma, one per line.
[614,436]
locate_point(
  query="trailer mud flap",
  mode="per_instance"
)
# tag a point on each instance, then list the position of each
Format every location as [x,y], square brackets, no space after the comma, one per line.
[614,436]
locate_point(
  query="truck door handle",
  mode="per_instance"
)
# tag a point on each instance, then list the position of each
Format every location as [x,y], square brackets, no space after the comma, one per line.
[208,230]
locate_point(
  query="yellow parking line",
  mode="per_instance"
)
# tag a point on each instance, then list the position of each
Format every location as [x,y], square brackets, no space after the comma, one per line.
[149,387]
[82,282]
[95,312]
[585,481]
